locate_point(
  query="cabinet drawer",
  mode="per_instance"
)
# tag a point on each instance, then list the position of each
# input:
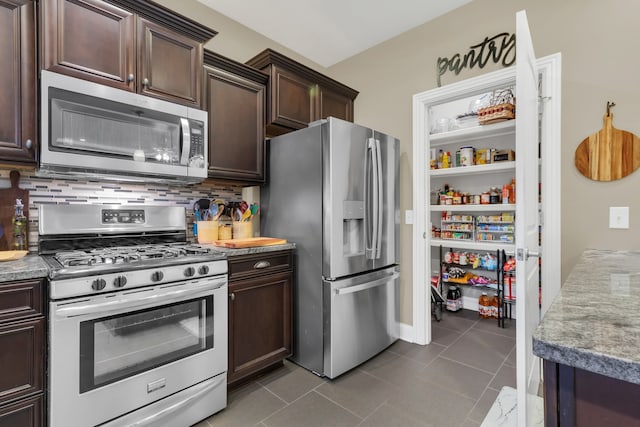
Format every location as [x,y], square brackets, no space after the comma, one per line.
[22,368]
[259,264]
[19,300]
[25,413]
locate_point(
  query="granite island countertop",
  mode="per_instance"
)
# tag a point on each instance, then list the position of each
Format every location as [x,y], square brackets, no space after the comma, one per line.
[28,267]
[594,322]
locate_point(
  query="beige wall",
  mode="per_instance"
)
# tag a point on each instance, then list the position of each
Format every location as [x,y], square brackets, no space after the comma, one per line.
[600,62]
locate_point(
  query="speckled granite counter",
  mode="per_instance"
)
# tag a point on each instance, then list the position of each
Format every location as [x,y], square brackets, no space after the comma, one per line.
[594,322]
[29,267]
[254,250]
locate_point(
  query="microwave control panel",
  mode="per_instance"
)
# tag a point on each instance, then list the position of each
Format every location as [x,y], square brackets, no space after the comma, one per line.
[197,139]
[123,216]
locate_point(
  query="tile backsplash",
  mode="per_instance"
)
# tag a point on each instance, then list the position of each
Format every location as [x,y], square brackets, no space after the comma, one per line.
[71,191]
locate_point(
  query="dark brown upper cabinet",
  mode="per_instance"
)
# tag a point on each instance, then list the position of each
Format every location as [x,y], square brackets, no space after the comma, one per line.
[235,96]
[299,95]
[18,86]
[132,45]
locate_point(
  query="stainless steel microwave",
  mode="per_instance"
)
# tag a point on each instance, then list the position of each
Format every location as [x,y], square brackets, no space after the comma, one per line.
[93,131]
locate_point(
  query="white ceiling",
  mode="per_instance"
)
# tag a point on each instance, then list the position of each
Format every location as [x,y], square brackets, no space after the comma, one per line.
[329,31]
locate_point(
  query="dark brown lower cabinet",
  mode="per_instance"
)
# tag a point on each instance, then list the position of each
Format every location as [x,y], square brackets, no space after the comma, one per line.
[259,313]
[575,397]
[22,346]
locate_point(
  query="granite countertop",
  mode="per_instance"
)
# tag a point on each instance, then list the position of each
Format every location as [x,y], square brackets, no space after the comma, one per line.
[594,322]
[28,267]
[254,250]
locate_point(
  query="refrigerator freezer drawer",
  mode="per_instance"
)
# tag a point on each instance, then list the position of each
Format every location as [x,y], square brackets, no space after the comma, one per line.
[361,318]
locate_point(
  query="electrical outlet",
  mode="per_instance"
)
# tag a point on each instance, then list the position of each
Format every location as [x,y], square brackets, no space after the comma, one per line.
[619,217]
[408,217]
[620,283]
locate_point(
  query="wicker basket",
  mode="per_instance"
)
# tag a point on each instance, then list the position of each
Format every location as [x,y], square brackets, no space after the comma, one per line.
[496,113]
[501,107]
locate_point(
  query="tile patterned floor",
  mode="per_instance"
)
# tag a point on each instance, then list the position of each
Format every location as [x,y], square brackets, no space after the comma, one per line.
[451,382]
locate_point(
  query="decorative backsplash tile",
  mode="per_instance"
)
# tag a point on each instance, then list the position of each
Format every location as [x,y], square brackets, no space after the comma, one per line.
[70,191]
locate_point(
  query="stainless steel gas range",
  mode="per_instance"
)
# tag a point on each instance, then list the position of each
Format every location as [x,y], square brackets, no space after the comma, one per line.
[138,318]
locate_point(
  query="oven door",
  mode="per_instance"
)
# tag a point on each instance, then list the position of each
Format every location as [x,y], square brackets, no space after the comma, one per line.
[115,353]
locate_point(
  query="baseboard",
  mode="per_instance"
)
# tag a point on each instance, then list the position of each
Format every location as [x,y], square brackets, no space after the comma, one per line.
[406,332]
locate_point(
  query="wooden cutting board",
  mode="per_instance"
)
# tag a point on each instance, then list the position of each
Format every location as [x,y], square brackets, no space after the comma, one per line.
[608,154]
[249,242]
[8,198]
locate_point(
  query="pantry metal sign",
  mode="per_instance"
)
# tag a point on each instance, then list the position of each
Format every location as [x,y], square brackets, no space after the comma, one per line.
[500,48]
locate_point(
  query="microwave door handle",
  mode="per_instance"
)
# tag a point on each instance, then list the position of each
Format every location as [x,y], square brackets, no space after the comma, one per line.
[185,146]
[134,301]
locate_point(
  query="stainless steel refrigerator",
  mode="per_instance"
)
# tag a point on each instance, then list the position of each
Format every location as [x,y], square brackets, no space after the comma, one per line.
[333,190]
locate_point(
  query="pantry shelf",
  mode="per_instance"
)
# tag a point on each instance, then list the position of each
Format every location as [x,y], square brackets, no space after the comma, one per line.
[473,133]
[496,207]
[474,170]
[473,245]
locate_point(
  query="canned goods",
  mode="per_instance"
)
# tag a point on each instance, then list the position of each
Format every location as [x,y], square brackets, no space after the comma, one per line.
[466,156]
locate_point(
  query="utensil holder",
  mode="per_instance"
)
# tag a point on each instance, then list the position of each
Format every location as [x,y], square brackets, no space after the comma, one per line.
[225,230]
[207,231]
[242,229]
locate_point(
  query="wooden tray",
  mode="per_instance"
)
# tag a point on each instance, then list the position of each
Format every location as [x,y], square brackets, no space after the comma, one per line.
[8,198]
[250,242]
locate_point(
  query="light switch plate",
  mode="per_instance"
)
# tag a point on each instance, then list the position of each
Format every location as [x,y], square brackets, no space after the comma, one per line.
[619,217]
[408,217]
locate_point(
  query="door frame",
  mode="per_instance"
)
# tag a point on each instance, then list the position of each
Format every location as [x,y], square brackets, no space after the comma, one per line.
[549,68]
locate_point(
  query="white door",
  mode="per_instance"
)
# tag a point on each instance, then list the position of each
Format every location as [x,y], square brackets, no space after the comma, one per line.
[527,279]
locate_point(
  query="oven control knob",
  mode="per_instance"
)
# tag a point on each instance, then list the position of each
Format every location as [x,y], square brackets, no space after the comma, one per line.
[98,284]
[119,281]
[204,269]
[157,276]
[189,271]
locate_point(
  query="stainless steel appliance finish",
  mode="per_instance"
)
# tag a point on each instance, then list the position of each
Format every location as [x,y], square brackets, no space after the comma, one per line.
[138,318]
[334,190]
[95,131]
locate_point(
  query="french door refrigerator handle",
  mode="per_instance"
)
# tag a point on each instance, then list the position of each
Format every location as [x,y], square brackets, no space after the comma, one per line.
[369,187]
[365,286]
[376,197]
[135,301]
[379,202]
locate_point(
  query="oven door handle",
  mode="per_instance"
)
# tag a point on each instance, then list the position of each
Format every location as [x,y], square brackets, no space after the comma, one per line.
[136,301]
[152,419]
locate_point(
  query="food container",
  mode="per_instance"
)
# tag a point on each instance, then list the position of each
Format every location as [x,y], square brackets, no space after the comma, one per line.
[207,231]
[225,230]
[466,156]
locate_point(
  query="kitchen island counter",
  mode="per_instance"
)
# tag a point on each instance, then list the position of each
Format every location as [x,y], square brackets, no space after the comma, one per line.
[589,340]
[28,267]
[594,322]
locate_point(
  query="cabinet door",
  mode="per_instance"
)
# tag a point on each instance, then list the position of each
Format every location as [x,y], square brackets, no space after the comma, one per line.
[236,126]
[18,84]
[21,365]
[25,413]
[259,324]
[293,102]
[169,64]
[335,105]
[91,40]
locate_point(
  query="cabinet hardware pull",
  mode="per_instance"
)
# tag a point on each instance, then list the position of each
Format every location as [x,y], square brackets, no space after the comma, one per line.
[130,77]
[262,264]
[145,82]
[29,144]
[232,296]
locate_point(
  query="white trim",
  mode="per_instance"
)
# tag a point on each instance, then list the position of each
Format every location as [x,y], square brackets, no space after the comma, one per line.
[406,332]
[550,67]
